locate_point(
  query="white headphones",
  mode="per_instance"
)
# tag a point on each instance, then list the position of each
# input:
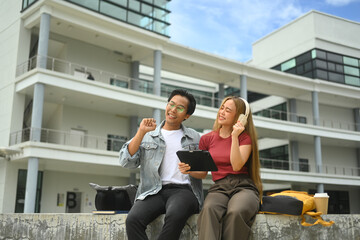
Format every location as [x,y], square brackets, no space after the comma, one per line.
[242,117]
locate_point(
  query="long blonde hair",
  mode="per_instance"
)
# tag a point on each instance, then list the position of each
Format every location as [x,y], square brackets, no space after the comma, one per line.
[254,164]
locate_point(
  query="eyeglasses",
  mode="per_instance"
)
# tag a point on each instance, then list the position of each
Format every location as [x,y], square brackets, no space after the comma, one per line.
[179,109]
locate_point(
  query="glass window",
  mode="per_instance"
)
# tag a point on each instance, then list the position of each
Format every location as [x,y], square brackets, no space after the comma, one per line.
[308,66]
[146,22]
[339,68]
[320,64]
[134,5]
[120,2]
[91,4]
[159,27]
[287,65]
[146,9]
[113,11]
[336,77]
[134,18]
[309,74]
[300,69]
[161,3]
[303,58]
[321,74]
[352,80]
[20,191]
[332,57]
[159,14]
[119,83]
[351,61]
[278,67]
[313,53]
[331,66]
[319,54]
[291,70]
[351,71]
[115,142]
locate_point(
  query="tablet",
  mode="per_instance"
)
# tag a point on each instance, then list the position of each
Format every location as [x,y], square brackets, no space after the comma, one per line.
[198,160]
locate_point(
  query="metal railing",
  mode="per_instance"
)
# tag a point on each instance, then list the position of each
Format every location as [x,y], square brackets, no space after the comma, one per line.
[146,86]
[308,167]
[114,144]
[287,116]
[67,139]
[83,72]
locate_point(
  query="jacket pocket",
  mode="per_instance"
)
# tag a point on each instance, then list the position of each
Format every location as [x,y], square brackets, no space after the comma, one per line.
[149,150]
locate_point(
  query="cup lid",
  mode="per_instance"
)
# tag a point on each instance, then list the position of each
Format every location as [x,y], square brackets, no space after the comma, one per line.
[321,195]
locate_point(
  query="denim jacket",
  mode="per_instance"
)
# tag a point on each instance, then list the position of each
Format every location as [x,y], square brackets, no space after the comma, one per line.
[149,157]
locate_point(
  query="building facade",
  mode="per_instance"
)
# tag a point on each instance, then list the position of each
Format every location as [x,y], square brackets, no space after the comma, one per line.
[77,77]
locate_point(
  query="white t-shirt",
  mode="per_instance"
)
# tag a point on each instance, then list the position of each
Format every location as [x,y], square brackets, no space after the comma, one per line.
[169,168]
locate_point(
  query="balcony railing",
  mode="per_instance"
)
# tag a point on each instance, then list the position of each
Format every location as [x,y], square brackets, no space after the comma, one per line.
[306,167]
[67,139]
[146,86]
[98,75]
[287,116]
[114,144]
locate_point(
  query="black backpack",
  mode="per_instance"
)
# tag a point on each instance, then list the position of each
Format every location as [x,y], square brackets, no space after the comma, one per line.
[114,198]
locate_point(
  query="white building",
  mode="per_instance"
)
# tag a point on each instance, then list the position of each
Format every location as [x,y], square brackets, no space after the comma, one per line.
[65,129]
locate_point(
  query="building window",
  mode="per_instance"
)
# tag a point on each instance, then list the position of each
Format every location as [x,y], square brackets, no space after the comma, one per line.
[351,71]
[119,83]
[147,14]
[303,165]
[115,142]
[339,201]
[352,81]
[324,65]
[21,188]
[275,112]
[275,158]
[287,65]
[351,61]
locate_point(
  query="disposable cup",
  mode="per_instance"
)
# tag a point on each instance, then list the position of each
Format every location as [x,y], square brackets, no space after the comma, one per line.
[321,202]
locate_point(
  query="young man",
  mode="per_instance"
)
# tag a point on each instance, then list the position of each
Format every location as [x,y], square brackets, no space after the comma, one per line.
[163,189]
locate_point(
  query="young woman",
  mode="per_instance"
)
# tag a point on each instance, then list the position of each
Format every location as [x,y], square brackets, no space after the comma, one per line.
[233,201]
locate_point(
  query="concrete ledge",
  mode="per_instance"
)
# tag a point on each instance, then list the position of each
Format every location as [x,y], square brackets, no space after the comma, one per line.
[86,226]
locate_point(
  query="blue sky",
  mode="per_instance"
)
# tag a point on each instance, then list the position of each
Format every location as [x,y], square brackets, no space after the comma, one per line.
[229,27]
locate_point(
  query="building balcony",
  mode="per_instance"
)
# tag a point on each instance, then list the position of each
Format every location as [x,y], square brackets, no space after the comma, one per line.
[84,72]
[114,144]
[150,15]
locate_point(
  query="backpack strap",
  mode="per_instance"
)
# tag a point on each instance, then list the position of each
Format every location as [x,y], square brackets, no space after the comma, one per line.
[319,220]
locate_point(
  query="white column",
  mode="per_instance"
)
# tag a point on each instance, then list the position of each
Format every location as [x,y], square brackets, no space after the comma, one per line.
[157,82]
[317,139]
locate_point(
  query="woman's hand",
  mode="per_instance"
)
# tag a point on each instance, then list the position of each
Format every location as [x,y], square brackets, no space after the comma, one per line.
[184,168]
[238,128]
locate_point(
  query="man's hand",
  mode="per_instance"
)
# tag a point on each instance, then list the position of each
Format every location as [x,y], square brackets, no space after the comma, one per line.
[147,125]
[184,168]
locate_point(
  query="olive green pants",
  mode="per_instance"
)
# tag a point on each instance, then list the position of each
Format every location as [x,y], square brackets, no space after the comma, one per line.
[229,209]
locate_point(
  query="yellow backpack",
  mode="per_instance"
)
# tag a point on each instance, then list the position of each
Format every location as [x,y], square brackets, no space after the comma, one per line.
[293,203]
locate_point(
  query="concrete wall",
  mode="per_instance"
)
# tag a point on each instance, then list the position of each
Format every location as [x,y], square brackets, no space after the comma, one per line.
[95,123]
[106,227]
[71,182]
[79,52]
[312,30]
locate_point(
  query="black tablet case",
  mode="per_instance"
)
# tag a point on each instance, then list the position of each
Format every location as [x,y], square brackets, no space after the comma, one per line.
[198,160]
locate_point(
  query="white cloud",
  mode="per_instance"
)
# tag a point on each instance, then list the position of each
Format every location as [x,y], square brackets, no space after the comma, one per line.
[228,27]
[339,2]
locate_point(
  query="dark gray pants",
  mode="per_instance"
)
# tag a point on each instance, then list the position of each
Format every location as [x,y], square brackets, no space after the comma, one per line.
[229,209]
[177,202]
